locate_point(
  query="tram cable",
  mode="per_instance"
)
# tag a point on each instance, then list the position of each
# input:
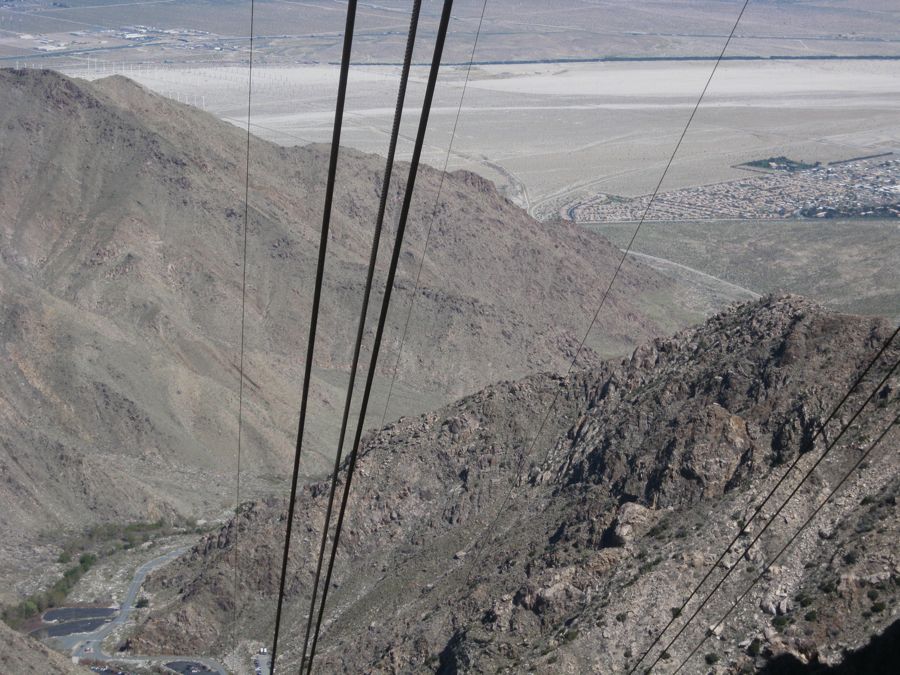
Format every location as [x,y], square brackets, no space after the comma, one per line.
[385,305]
[240,420]
[437,199]
[360,331]
[491,527]
[777,512]
[859,463]
[314,314]
[822,427]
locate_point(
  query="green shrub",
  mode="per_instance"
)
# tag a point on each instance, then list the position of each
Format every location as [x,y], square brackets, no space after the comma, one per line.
[828,587]
[755,647]
[711,659]
[142,602]
[570,635]
[658,529]
[811,615]
[878,606]
[872,594]
[65,557]
[621,616]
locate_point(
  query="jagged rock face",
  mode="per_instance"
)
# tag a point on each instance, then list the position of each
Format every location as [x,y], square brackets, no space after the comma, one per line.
[472,547]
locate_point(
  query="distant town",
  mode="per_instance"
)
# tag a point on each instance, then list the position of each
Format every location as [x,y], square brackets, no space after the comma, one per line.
[867,187]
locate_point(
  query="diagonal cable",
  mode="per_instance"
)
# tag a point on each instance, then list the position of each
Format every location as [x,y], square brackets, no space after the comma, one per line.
[385,305]
[790,541]
[361,326]
[437,199]
[314,314]
[772,518]
[240,424]
[552,406]
[765,501]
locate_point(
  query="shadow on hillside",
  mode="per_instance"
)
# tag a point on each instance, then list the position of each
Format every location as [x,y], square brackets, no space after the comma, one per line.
[881,655]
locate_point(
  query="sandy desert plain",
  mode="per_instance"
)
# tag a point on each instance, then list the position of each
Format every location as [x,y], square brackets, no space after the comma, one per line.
[550,134]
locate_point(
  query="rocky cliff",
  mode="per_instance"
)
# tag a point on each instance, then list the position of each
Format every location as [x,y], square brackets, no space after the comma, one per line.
[473,545]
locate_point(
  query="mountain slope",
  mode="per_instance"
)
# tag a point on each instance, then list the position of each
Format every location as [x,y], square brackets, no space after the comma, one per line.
[21,654]
[632,489]
[121,217]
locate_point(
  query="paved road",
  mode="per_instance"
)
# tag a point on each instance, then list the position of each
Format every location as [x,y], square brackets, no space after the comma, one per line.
[664,263]
[88,645]
[78,642]
[261,663]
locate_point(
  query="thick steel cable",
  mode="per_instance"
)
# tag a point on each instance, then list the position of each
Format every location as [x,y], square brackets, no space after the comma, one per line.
[772,518]
[364,309]
[240,423]
[314,314]
[437,198]
[765,501]
[477,557]
[806,523]
[385,305]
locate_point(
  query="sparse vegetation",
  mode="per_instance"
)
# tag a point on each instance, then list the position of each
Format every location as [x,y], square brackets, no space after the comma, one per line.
[828,586]
[755,647]
[781,163]
[658,529]
[96,542]
[711,659]
[55,596]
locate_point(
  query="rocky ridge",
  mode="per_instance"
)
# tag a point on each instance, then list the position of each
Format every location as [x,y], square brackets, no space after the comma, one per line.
[121,219]
[642,475]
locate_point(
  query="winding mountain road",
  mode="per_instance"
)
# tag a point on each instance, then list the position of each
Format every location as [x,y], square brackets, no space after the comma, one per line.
[89,645]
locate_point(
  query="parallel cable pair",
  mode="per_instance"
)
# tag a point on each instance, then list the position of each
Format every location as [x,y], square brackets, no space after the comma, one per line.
[314,314]
[437,200]
[401,227]
[360,330]
[822,427]
[385,305]
[844,479]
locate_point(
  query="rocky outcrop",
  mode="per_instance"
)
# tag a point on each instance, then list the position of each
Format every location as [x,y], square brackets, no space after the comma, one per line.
[473,544]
